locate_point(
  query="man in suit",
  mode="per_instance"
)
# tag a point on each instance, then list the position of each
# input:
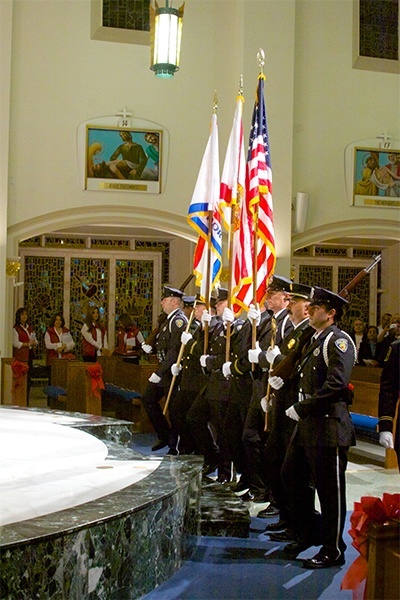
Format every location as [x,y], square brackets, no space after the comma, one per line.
[167,345]
[324,429]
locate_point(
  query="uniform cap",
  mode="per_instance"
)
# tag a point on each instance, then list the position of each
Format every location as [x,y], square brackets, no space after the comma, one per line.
[279,284]
[169,291]
[188,300]
[329,299]
[222,294]
[299,290]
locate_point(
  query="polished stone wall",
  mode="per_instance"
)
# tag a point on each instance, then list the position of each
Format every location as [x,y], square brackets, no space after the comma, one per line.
[119,546]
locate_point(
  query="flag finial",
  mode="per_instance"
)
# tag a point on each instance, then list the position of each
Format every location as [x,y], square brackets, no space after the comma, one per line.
[240,89]
[215,102]
[261,60]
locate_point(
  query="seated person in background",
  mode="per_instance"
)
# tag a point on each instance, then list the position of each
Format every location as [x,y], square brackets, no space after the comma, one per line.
[58,340]
[129,338]
[357,334]
[393,335]
[383,329]
[369,351]
[94,334]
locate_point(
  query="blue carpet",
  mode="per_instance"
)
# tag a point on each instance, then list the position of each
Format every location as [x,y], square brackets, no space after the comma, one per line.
[248,569]
[254,569]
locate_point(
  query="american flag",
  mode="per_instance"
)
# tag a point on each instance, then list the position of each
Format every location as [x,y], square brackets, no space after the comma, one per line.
[205,203]
[259,196]
[236,218]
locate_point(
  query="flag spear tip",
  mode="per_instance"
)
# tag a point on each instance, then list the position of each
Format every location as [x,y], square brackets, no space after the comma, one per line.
[240,89]
[215,102]
[261,60]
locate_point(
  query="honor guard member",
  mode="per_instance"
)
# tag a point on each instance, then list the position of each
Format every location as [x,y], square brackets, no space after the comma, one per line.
[254,436]
[389,398]
[324,428]
[167,347]
[283,393]
[192,380]
[238,368]
[217,392]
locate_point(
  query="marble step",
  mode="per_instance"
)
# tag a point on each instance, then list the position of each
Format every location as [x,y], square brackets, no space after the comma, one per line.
[222,513]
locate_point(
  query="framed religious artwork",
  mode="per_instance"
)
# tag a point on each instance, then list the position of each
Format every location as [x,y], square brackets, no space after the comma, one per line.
[372,174]
[123,159]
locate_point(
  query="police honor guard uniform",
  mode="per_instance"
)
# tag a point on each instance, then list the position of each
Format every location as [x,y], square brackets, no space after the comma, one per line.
[324,432]
[168,343]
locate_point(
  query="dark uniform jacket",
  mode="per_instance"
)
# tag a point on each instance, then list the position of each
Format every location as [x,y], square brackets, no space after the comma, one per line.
[325,371]
[218,386]
[168,343]
[192,374]
[389,391]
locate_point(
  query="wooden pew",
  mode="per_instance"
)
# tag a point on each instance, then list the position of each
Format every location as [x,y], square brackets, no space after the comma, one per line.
[366,381]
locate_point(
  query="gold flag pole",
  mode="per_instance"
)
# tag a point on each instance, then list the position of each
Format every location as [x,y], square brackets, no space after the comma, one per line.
[267,395]
[235,215]
[178,360]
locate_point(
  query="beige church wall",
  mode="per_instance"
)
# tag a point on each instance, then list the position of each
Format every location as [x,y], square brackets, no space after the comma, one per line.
[62,78]
[336,105]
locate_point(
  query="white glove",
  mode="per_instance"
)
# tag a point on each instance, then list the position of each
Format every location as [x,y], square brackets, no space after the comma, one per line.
[276,382]
[203,359]
[254,353]
[228,315]
[272,353]
[176,369]
[226,369]
[146,348]
[205,317]
[386,439]
[154,378]
[292,414]
[264,404]
[185,337]
[254,315]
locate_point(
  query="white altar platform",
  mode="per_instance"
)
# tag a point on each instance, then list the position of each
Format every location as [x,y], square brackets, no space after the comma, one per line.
[47,466]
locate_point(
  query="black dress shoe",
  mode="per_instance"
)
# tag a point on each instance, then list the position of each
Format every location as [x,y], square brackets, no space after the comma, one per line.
[296,547]
[279,526]
[159,445]
[282,536]
[172,452]
[266,513]
[240,488]
[208,469]
[323,561]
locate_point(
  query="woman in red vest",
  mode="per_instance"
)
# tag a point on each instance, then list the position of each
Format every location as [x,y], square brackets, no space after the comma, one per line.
[57,339]
[94,334]
[24,338]
[129,338]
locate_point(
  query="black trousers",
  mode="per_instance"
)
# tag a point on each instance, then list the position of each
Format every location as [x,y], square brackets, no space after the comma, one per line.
[152,396]
[198,419]
[325,467]
[235,418]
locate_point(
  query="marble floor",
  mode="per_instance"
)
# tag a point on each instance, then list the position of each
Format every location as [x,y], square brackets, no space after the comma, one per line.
[47,466]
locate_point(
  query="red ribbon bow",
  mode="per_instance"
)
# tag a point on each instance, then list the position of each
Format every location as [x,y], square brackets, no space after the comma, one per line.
[19,369]
[368,510]
[95,372]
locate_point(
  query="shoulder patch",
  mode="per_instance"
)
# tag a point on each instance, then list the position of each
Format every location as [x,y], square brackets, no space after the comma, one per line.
[342,344]
[179,323]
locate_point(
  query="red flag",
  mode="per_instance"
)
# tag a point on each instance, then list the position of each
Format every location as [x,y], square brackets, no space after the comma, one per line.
[259,196]
[235,216]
